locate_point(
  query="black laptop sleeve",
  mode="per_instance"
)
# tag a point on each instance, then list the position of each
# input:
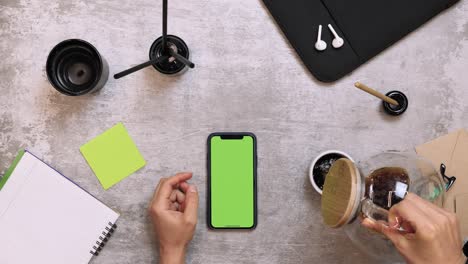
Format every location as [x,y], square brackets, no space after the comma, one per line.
[367,26]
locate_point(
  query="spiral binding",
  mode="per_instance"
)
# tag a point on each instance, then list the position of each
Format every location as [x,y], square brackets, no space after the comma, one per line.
[103,238]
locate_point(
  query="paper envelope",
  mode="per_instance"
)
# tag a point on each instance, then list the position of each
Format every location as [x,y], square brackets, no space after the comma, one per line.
[451,150]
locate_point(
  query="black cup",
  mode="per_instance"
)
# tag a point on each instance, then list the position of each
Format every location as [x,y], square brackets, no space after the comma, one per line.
[399,109]
[75,67]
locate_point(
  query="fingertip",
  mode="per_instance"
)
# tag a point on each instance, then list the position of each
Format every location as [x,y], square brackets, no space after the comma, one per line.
[192,196]
[192,189]
[375,226]
[179,178]
[184,174]
[161,181]
[394,221]
[366,223]
[191,203]
[184,186]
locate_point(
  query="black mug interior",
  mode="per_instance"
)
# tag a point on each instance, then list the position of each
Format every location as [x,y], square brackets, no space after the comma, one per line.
[74,67]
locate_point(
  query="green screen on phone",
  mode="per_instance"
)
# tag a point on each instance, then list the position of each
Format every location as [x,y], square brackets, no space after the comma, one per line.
[232,182]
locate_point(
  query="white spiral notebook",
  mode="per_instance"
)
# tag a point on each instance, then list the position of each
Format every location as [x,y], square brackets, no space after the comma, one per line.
[46,218]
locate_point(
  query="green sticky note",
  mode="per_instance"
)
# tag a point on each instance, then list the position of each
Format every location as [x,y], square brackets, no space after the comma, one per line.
[112,156]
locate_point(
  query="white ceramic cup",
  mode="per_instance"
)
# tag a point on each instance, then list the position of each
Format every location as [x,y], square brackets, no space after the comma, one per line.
[312,165]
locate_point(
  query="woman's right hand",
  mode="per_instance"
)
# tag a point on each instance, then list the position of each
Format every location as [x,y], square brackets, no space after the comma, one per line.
[435,233]
[174,213]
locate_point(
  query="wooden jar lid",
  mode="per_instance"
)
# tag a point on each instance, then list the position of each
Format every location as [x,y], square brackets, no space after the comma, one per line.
[341,193]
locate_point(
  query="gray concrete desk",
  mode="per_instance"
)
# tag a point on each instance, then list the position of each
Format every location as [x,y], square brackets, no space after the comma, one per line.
[247,78]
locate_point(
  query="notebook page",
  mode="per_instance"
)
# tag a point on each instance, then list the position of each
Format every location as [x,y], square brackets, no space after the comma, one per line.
[50,219]
[14,184]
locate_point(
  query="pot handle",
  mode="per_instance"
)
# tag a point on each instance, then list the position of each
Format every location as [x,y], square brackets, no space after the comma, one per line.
[449,181]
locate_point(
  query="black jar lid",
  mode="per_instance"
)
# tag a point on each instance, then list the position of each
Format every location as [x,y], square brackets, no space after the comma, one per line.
[341,193]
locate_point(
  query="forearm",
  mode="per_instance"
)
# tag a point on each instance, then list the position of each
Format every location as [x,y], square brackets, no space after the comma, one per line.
[171,255]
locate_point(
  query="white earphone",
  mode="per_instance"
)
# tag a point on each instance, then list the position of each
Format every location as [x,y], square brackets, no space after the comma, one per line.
[337,41]
[320,45]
